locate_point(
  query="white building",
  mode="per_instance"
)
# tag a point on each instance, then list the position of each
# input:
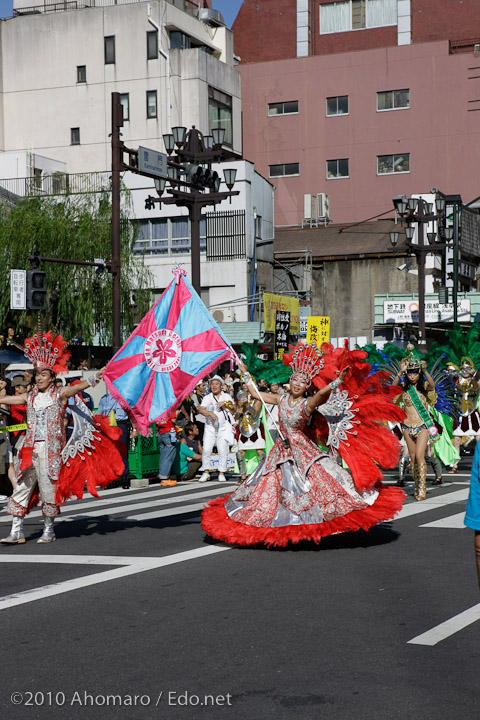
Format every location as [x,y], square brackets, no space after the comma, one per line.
[59,65]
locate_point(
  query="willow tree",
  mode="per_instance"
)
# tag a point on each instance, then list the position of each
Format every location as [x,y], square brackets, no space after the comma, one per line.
[79,300]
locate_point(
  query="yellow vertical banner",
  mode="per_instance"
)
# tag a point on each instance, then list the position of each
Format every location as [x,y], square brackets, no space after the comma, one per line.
[272,303]
[318,329]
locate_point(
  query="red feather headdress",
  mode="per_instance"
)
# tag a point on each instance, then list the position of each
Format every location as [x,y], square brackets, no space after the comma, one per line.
[46,352]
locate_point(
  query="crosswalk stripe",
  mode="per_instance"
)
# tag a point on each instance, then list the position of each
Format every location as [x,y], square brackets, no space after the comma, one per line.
[126,509]
[183,510]
[81,505]
[447,628]
[415,508]
[130,566]
[453,521]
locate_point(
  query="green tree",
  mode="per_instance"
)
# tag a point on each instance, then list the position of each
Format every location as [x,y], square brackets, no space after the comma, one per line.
[72,227]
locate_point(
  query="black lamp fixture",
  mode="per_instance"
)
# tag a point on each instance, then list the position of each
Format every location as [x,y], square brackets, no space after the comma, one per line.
[230,175]
[394,237]
[218,135]
[179,135]
[169,143]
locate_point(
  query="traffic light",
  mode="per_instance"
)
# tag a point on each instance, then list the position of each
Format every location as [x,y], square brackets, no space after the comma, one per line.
[202,177]
[36,290]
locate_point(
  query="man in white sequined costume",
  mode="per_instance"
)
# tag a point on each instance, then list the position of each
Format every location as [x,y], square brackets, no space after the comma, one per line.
[39,461]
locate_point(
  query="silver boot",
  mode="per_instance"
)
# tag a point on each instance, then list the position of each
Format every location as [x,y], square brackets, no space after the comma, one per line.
[17,536]
[48,535]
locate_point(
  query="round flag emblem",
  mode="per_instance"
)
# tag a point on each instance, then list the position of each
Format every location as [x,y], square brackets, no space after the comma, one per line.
[163,350]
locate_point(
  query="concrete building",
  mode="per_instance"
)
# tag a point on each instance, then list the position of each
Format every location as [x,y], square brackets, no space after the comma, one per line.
[360,100]
[349,272]
[172,63]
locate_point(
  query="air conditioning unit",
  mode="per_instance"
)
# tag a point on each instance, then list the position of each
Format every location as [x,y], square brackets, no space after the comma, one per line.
[223,315]
[323,205]
[309,206]
[211,17]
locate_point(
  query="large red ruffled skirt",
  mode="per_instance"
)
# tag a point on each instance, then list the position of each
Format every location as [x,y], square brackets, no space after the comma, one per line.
[217,524]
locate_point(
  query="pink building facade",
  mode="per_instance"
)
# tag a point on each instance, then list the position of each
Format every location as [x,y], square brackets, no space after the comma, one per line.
[364,126]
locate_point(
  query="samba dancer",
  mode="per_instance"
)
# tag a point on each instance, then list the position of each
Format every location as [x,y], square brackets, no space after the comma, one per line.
[300,492]
[418,427]
[43,472]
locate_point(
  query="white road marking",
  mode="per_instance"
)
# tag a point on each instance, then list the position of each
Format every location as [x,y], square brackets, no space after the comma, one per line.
[415,508]
[182,510]
[129,566]
[80,505]
[448,628]
[452,521]
[125,509]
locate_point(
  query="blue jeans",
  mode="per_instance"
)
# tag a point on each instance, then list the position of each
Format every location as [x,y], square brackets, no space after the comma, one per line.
[168,450]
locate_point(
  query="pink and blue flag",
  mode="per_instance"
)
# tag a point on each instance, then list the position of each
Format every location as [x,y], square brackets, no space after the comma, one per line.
[176,344]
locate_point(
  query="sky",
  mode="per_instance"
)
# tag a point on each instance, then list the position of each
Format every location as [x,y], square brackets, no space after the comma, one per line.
[6,8]
[228,8]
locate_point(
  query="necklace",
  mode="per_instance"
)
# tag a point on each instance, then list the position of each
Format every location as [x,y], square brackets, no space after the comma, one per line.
[295,402]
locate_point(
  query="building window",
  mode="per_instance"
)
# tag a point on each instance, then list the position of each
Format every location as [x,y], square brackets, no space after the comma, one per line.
[179,41]
[390,164]
[81,73]
[109,46]
[393,100]
[337,169]
[283,108]
[125,103]
[356,15]
[337,105]
[284,170]
[167,236]
[151,103]
[220,113]
[74,136]
[152,45]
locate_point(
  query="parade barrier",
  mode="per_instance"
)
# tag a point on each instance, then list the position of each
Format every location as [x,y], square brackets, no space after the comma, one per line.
[143,456]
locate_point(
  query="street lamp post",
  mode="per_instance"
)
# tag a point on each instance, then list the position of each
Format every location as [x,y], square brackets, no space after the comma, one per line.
[418,211]
[190,154]
[192,183]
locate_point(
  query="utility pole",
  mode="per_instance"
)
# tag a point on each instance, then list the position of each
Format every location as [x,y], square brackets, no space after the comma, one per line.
[117,155]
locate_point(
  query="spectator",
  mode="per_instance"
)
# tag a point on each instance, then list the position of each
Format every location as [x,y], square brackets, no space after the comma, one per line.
[167,444]
[188,459]
[18,417]
[185,412]
[216,408]
[197,397]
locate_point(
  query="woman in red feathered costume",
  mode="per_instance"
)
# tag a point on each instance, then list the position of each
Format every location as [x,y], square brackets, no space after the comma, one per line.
[50,470]
[300,492]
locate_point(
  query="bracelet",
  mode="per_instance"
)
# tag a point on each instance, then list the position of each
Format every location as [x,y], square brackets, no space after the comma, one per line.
[335,383]
[247,378]
[93,380]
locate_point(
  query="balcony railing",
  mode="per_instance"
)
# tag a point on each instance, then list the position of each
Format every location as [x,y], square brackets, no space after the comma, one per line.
[57,184]
[226,235]
[187,6]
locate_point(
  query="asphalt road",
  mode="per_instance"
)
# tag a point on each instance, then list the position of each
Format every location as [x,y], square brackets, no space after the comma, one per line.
[134,613]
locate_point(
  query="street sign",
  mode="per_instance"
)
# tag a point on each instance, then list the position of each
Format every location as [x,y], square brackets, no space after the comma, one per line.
[18,289]
[152,162]
[282,332]
[318,329]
